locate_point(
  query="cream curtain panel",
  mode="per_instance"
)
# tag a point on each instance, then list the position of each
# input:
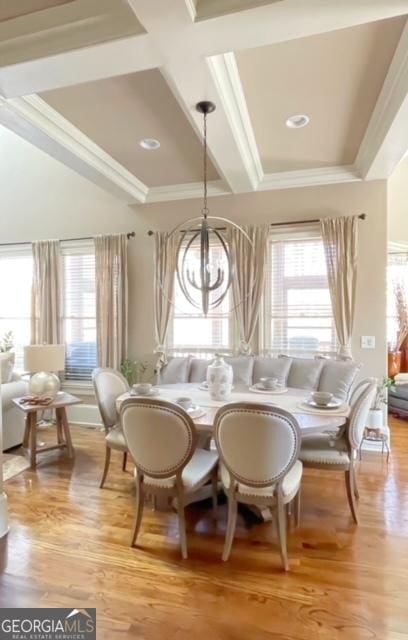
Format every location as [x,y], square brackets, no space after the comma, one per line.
[249,264]
[46,293]
[340,237]
[111,280]
[165,264]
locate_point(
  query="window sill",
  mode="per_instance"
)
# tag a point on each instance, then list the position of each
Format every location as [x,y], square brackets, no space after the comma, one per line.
[78,387]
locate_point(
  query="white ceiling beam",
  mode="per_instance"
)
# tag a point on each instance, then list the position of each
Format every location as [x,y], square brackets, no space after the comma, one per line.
[386,139]
[288,20]
[309,178]
[187,191]
[95,62]
[35,121]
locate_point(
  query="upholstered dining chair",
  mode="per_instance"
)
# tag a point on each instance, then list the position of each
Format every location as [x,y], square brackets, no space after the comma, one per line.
[258,448]
[162,438]
[108,385]
[338,452]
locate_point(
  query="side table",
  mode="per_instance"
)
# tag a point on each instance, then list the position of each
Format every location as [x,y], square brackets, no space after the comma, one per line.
[61,401]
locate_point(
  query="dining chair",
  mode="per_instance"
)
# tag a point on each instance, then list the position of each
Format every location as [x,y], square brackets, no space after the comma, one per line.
[338,452]
[109,384]
[162,438]
[258,447]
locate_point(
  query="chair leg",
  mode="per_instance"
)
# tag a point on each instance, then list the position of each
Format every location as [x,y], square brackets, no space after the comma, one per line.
[231,524]
[214,485]
[140,498]
[106,467]
[182,525]
[350,494]
[124,461]
[297,507]
[282,532]
[354,479]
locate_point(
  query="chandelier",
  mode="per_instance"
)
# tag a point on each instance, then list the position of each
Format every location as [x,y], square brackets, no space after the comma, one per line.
[204,266]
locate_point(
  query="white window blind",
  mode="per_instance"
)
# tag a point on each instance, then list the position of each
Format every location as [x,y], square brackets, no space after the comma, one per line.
[298,315]
[79,310]
[190,331]
[16,270]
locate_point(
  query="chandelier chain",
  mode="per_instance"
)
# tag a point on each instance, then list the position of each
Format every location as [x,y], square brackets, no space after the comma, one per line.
[205,209]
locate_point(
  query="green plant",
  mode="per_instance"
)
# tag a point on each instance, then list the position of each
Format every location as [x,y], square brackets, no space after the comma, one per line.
[381,395]
[135,371]
[7,342]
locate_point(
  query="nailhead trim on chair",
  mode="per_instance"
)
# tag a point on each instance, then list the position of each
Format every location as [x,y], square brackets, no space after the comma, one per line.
[293,458]
[171,470]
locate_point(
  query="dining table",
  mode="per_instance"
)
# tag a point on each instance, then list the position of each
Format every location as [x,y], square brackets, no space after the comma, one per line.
[311,420]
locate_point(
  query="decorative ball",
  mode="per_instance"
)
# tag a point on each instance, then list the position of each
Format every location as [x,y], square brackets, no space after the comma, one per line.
[44,385]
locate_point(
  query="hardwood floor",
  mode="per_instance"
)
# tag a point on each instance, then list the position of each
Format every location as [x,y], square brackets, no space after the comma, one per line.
[69,546]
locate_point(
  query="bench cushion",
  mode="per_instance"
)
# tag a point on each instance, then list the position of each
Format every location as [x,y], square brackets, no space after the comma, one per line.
[338,377]
[198,369]
[304,372]
[268,367]
[242,367]
[176,371]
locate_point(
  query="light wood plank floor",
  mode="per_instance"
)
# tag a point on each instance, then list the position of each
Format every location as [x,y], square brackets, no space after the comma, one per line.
[69,546]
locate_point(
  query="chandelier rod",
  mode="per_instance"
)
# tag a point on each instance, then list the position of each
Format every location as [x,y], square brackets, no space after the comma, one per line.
[361,216]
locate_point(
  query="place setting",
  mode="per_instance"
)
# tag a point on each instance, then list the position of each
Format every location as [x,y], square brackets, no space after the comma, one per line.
[268,386]
[144,389]
[323,401]
[193,410]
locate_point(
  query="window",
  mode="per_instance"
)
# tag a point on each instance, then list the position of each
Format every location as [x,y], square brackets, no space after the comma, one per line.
[397,275]
[189,331]
[16,270]
[298,315]
[79,310]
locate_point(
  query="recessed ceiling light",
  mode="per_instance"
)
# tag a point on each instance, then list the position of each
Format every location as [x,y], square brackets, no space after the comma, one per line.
[149,144]
[297,122]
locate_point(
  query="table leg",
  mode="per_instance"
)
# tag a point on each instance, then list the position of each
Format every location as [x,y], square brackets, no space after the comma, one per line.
[65,425]
[32,416]
[60,437]
[26,438]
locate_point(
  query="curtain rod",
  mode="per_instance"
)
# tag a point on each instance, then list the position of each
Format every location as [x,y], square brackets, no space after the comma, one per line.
[129,235]
[361,216]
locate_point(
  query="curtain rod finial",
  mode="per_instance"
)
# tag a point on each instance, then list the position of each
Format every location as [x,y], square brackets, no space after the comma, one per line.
[150,232]
[131,234]
[362,216]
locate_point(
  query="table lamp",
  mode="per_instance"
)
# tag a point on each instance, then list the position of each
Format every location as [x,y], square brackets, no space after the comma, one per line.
[43,360]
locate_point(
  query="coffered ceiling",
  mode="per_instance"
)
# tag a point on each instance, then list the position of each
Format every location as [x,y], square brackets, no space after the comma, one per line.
[86,80]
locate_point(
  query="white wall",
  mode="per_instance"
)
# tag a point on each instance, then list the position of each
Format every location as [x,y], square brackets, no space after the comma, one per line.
[398,204]
[43,199]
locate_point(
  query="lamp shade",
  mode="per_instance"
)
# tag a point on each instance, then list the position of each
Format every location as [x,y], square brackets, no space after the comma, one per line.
[44,357]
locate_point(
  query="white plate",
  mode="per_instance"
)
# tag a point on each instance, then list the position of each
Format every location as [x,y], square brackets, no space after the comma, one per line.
[256,389]
[153,392]
[333,404]
[196,412]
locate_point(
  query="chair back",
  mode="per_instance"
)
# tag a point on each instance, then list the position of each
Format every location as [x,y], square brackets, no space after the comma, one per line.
[257,444]
[108,384]
[160,435]
[361,404]
[359,388]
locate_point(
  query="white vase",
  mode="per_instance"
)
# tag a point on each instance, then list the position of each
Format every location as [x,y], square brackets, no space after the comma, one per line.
[375,419]
[219,378]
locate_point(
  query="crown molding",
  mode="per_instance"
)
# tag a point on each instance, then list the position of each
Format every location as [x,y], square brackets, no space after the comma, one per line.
[226,77]
[385,140]
[32,118]
[187,191]
[309,178]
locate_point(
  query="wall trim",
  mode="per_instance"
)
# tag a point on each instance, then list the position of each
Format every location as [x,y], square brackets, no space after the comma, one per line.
[309,178]
[186,191]
[71,142]
[224,71]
